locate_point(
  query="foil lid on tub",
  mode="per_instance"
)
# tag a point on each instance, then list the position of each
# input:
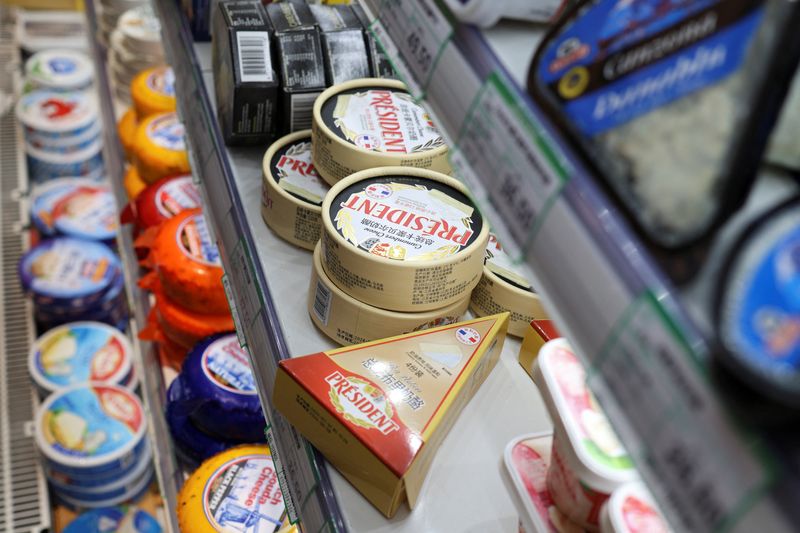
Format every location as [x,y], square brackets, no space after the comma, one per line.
[218,496]
[292,191]
[60,70]
[78,353]
[54,114]
[402,238]
[670,102]
[758,306]
[373,122]
[503,288]
[68,271]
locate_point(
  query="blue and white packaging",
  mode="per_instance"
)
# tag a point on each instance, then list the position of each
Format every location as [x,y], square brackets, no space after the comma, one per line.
[46,165]
[114,519]
[59,70]
[54,116]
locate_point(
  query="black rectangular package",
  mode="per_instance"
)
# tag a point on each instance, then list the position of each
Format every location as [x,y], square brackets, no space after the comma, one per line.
[245,83]
[344,50]
[299,61]
[379,64]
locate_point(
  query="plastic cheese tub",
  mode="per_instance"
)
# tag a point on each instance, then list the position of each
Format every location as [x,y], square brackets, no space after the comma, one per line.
[160,148]
[68,272]
[153,91]
[220,390]
[140,30]
[59,70]
[631,509]
[46,165]
[88,212]
[55,116]
[164,199]
[588,462]
[233,491]
[80,352]
[44,197]
[91,430]
[188,264]
[64,145]
[403,239]
[369,123]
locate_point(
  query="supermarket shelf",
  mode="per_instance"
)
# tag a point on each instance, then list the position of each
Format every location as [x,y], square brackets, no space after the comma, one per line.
[648,356]
[170,476]
[268,279]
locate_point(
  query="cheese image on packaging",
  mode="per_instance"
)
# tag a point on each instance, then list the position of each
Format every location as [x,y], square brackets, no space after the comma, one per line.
[236,490]
[502,288]
[373,122]
[88,212]
[160,148]
[348,321]
[293,191]
[403,239]
[153,91]
[378,411]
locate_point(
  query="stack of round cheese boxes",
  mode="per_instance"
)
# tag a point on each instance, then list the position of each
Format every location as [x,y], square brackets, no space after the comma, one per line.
[90,428]
[398,244]
[134,46]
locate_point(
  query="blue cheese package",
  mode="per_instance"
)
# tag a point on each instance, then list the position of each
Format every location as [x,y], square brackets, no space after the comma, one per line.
[192,444]
[113,519]
[670,102]
[220,390]
[46,165]
[77,207]
[70,273]
[758,305]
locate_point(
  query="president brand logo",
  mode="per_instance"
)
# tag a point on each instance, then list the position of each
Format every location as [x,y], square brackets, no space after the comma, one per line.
[407,219]
[361,403]
[387,113]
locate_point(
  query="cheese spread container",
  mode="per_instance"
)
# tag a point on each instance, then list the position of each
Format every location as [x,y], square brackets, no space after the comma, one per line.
[59,70]
[153,91]
[220,388]
[188,264]
[292,192]
[160,148]
[88,212]
[140,30]
[78,353]
[588,461]
[164,199]
[46,165]
[502,288]
[185,327]
[527,460]
[391,402]
[57,116]
[134,494]
[93,429]
[758,304]
[373,122]
[112,309]
[45,196]
[631,509]
[133,183]
[114,520]
[65,145]
[236,490]
[403,239]
[68,272]
[126,131]
[193,444]
[347,321]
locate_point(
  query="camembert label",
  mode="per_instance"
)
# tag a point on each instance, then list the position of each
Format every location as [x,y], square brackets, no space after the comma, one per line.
[294,172]
[406,218]
[381,120]
[500,264]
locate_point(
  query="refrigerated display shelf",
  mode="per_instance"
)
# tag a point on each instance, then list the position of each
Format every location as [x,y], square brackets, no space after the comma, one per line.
[169,473]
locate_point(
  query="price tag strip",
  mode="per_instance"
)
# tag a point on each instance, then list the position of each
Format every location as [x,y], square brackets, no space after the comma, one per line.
[704,471]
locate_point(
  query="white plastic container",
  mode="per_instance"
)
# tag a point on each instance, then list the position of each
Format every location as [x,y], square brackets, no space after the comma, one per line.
[80,352]
[59,70]
[588,461]
[56,115]
[631,509]
[45,165]
[486,13]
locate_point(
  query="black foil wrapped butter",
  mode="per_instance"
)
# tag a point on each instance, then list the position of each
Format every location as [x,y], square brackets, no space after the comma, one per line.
[299,61]
[245,83]
[344,50]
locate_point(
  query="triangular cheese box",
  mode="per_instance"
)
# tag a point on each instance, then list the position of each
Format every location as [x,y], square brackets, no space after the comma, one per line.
[378,411]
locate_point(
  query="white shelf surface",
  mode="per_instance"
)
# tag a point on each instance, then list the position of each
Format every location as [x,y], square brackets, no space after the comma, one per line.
[465,490]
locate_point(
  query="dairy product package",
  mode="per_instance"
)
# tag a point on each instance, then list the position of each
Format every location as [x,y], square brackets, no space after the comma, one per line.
[379,64]
[670,103]
[344,50]
[378,411]
[536,335]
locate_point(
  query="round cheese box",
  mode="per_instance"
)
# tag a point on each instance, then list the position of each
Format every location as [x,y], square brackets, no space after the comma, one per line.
[164,199]
[293,191]
[348,321]
[54,115]
[373,122]
[153,91]
[60,70]
[403,239]
[160,148]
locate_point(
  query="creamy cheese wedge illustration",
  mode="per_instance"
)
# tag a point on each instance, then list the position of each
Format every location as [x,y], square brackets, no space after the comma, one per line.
[68,429]
[57,354]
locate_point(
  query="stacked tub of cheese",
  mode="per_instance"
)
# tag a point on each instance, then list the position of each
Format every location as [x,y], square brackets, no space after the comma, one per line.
[213,404]
[60,118]
[109,13]
[135,45]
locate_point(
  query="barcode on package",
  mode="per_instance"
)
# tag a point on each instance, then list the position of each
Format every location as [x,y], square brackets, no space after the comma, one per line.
[322,303]
[300,111]
[255,63]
